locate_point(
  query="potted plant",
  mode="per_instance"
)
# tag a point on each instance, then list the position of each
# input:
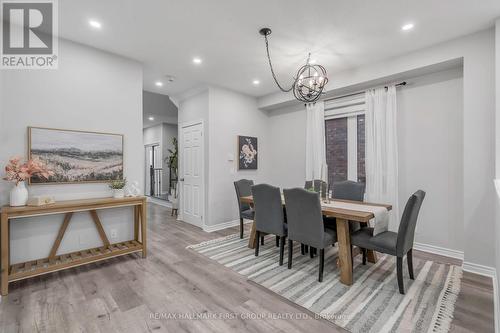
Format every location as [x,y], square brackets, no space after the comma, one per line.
[20,173]
[117,186]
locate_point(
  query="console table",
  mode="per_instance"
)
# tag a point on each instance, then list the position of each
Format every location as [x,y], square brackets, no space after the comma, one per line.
[54,262]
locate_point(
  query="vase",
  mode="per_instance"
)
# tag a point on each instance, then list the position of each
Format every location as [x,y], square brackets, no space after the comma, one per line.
[19,195]
[118,193]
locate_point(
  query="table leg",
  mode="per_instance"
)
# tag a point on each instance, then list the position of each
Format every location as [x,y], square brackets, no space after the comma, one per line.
[371,256]
[136,222]
[252,240]
[4,234]
[345,255]
[144,226]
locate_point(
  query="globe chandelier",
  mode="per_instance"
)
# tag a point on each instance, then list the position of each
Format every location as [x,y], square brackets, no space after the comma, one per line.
[308,83]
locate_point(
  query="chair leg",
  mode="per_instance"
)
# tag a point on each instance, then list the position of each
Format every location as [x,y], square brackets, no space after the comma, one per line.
[311,252]
[257,234]
[282,248]
[241,228]
[364,255]
[321,264]
[306,248]
[290,250]
[409,258]
[302,249]
[262,240]
[400,275]
[277,241]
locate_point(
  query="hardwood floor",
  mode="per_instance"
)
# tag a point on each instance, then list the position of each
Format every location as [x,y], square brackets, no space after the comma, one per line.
[130,294]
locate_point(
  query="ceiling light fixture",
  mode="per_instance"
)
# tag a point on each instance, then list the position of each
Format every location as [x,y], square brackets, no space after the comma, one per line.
[256,82]
[308,83]
[151,118]
[407,26]
[197,60]
[159,84]
[95,24]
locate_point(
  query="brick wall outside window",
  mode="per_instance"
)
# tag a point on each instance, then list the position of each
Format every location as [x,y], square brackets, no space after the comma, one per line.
[336,149]
[361,149]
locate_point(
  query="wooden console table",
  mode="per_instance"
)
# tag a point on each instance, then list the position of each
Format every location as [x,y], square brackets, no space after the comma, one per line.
[54,262]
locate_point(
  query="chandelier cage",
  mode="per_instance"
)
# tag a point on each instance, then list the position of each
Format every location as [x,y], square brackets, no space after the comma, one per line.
[308,83]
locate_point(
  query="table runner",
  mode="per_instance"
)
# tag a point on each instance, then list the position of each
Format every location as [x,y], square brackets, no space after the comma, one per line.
[381,220]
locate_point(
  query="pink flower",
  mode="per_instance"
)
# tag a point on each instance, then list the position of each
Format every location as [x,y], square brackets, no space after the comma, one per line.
[33,167]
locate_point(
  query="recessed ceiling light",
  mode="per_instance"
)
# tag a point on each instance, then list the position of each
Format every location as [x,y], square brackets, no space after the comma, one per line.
[407,26]
[95,24]
[159,84]
[256,82]
[197,60]
[151,118]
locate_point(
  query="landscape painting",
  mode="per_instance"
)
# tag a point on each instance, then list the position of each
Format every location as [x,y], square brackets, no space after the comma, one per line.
[77,156]
[247,150]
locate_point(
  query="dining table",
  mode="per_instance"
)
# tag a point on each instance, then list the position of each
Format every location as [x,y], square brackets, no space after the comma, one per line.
[343,217]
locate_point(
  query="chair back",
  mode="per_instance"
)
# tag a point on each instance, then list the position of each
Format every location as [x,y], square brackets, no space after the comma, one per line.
[349,190]
[317,184]
[243,188]
[304,217]
[406,232]
[268,208]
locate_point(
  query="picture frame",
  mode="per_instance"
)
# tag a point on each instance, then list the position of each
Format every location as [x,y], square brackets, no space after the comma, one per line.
[247,152]
[76,156]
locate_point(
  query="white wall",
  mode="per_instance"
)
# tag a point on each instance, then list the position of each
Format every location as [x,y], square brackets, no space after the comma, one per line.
[232,114]
[430,115]
[91,90]
[160,107]
[477,52]
[152,135]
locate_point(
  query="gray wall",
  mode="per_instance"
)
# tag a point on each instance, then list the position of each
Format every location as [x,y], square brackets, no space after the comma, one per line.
[91,90]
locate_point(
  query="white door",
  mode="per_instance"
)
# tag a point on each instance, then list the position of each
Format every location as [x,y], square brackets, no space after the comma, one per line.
[191,178]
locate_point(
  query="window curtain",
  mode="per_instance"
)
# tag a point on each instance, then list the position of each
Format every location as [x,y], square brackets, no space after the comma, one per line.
[381,161]
[316,167]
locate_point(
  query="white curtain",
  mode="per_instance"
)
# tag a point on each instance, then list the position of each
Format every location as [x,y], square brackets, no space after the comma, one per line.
[315,142]
[381,161]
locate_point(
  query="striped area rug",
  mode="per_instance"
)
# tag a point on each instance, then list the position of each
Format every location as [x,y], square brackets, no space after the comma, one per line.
[372,304]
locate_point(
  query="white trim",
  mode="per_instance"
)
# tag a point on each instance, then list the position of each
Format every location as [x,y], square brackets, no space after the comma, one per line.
[479,269]
[224,225]
[495,302]
[456,254]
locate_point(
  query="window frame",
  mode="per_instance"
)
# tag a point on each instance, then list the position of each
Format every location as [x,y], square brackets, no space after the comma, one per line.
[350,108]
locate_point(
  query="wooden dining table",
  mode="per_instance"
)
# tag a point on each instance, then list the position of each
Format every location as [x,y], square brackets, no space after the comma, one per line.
[343,218]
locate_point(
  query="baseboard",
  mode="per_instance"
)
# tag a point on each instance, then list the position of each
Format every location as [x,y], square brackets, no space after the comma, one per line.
[224,225]
[439,251]
[479,269]
[495,302]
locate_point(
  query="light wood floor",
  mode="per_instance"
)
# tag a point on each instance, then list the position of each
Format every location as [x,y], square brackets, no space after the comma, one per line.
[130,294]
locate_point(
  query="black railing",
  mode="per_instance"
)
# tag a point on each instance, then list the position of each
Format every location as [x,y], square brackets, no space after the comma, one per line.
[155,175]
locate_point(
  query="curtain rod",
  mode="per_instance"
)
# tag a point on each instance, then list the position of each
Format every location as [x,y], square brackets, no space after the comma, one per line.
[362,91]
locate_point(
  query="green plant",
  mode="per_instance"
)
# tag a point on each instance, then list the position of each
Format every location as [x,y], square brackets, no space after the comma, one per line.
[172,159]
[118,184]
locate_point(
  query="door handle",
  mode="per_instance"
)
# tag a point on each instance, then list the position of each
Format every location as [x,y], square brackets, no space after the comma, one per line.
[181,179]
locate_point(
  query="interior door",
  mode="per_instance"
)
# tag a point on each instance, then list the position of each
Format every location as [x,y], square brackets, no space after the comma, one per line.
[191,179]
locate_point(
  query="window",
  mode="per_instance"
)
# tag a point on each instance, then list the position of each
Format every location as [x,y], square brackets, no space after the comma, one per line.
[345,138]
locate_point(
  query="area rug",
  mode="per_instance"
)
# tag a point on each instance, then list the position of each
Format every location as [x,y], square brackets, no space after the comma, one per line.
[372,304]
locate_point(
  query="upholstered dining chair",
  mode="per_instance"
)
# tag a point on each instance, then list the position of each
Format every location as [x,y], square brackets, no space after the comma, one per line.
[396,244]
[305,224]
[348,190]
[269,215]
[243,188]
[317,184]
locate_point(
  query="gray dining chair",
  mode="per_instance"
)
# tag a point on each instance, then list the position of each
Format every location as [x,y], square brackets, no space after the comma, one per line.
[396,244]
[305,224]
[269,215]
[243,188]
[317,184]
[349,190]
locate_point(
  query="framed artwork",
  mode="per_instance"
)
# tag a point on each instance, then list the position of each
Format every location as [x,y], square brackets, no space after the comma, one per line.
[247,152]
[76,156]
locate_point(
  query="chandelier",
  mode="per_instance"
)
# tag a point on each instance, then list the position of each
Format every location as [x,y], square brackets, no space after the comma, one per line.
[308,83]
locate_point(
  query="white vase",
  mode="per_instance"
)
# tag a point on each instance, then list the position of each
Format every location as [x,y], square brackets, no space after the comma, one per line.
[118,193]
[19,195]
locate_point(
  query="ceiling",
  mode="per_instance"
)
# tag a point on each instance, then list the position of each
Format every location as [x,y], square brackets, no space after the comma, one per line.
[166,35]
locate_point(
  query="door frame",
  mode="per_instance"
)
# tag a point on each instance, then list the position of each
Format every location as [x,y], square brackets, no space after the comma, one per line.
[181,166]
[146,146]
